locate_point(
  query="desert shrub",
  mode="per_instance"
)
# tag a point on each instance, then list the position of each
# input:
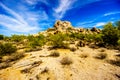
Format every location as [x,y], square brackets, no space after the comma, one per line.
[115,62]
[6,38]
[90,37]
[7,48]
[110,34]
[45,70]
[118,24]
[17,38]
[1,37]
[102,50]
[16,56]
[73,49]
[93,46]
[66,61]
[13,57]
[81,43]
[30,37]
[77,36]
[118,42]
[55,54]
[26,70]
[98,38]
[33,49]
[117,55]
[101,56]
[4,65]
[57,40]
[84,55]
[36,63]
[36,41]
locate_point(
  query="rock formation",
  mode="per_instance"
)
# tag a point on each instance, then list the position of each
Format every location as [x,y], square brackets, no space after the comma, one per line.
[66,27]
[62,25]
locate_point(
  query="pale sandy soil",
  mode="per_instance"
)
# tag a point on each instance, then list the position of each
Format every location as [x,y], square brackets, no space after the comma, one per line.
[88,68]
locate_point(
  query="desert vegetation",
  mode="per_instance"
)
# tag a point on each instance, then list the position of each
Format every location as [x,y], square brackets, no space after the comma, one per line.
[54,54]
[101,56]
[7,48]
[108,36]
[66,60]
[67,49]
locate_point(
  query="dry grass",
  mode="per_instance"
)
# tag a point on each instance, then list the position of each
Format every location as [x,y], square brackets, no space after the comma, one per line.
[115,62]
[101,56]
[32,49]
[93,46]
[102,50]
[73,49]
[36,63]
[117,55]
[13,57]
[26,70]
[45,70]
[66,61]
[54,54]
[84,55]
[4,65]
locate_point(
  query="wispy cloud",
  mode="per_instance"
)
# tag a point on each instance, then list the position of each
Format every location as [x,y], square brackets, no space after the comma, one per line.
[100,24]
[84,23]
[63,7]
[25,21]
[111,13]
[34,2]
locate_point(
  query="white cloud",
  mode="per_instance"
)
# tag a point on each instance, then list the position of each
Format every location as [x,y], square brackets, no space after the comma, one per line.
[15,25]
[86,22]
[34,2]
[24,21]
[31,2]
[111,13]
[63,7]
[99,24]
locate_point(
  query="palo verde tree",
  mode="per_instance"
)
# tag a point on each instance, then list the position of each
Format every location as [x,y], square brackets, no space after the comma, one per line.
[110,34]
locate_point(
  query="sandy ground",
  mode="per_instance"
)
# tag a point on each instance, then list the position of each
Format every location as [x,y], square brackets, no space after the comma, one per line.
[39,66]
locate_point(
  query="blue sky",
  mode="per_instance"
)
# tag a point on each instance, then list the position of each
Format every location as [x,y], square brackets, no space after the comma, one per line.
[32,16]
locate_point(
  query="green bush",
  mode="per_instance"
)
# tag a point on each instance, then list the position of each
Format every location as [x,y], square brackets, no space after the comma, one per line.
[1,37]
[98,38]
[90,37]
[77,36]
[118,42]
[17,38]
[7,48]
[36,41]
[118,25]
[6,38]
[57,40]
[110,34]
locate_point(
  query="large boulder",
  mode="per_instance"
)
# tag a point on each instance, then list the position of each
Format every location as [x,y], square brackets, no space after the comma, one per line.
[94,29]
[62,25]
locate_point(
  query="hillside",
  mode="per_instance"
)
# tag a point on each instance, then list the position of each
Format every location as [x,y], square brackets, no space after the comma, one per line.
[61,53]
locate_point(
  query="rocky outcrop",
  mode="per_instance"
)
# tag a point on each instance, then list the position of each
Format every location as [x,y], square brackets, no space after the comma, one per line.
[62,25]
[94,29]
[66,27]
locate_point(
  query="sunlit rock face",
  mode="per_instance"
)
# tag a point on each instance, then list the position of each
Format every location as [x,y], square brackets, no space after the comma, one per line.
[66,27]
[62,25]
